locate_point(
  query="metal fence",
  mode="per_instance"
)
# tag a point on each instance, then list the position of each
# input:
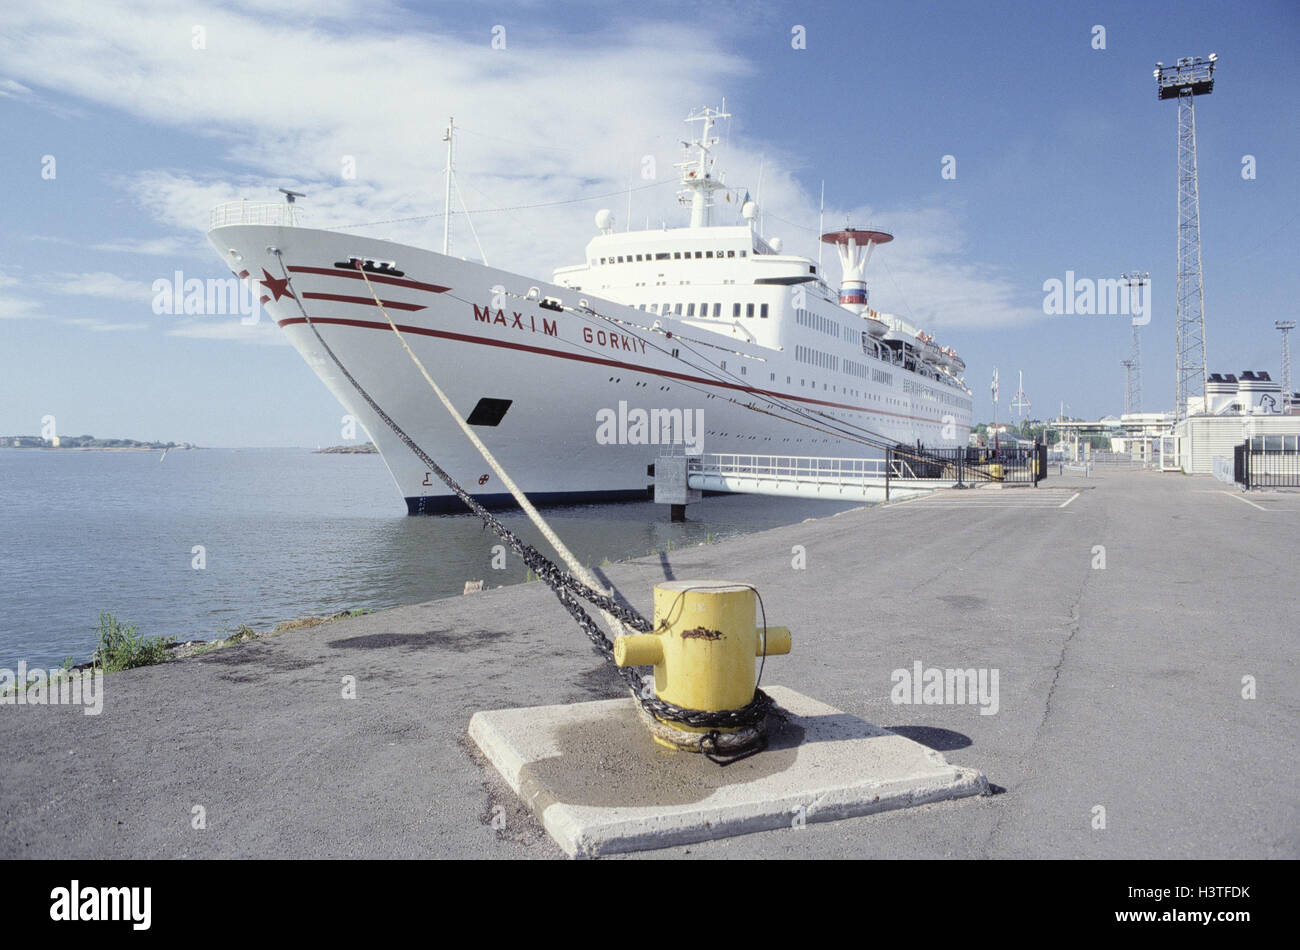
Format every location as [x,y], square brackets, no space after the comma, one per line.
[1267,461]
[1026,465]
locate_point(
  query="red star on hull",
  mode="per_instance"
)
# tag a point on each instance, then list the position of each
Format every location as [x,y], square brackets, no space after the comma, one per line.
[279,287]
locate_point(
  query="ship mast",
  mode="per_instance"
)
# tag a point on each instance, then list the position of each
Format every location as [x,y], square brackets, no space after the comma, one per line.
[449,138]
[698,181]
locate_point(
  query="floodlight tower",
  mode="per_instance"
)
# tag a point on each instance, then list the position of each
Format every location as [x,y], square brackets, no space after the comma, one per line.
[1190,77]
[1129,367]
[1286,326]
[1133,395]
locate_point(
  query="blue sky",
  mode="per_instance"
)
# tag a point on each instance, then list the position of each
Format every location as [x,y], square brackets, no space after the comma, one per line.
[1065,160]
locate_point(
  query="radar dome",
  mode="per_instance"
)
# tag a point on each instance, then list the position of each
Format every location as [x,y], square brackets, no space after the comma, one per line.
[604,218]
[776,244]
[749,211]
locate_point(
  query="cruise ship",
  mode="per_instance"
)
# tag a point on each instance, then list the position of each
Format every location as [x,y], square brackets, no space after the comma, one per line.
[698,339]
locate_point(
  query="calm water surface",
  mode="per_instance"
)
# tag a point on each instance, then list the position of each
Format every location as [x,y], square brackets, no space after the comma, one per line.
[286,532]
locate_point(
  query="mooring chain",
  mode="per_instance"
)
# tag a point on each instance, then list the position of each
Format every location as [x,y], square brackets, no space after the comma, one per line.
[569,590]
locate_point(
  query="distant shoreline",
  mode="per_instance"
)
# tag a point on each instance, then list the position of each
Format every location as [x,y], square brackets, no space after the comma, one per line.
[137,447]
[103,448]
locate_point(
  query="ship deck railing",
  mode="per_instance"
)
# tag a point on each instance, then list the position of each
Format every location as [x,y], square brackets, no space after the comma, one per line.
[272,213]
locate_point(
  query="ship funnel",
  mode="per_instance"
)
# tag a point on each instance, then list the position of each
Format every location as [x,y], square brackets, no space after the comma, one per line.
[855,247]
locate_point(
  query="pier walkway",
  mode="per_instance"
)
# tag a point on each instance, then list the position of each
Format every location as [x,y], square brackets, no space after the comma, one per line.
[1122,613]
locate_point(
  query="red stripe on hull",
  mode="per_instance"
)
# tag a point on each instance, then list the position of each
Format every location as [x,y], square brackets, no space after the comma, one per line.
[667,374]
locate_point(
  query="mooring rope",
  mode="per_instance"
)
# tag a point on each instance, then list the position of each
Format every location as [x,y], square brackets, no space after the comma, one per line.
[575,566]
[750,721]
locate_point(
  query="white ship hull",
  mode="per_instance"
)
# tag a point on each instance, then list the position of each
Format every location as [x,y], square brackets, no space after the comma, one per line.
[559,371]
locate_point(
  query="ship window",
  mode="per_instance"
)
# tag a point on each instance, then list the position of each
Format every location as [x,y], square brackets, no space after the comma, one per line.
[602,260]
[735,309]
[749,309]
[662,256]
[489,412]
[677,255]
[743,371]
[707,254]
[731,253]
[763,312]
[690,310]
[638,257]
[704,310]
[677,309]
[742,253]
[717,309]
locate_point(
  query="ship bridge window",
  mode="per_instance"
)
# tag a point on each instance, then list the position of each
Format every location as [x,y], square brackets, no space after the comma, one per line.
[677,309]
[717,309]
[690,310]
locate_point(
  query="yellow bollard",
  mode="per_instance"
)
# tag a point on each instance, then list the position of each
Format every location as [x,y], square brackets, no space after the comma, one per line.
[704,650]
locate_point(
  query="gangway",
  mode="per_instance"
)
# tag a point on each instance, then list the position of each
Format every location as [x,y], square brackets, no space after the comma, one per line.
[902,473]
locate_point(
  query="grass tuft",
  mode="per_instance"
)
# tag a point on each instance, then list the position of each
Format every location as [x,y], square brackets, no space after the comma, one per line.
[122,648]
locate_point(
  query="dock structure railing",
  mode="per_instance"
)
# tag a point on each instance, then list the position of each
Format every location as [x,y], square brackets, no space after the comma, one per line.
[795,468]
[274,213]
[1268,461]
[901,463]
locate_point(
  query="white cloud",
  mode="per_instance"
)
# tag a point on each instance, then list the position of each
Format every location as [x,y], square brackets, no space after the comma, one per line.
[231,330]
[13,90]
[156,246]
[100,284]
[15,308]
[103,326]
[288,99]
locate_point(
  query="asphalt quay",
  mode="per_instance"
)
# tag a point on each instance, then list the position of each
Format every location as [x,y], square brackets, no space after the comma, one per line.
[1141,626]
